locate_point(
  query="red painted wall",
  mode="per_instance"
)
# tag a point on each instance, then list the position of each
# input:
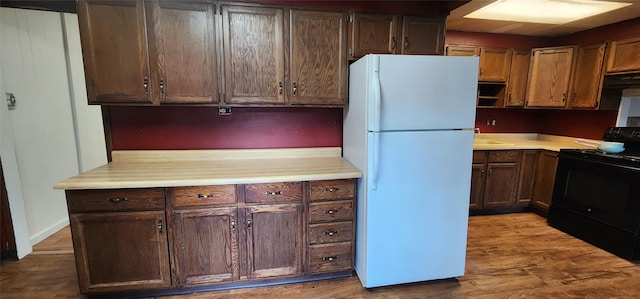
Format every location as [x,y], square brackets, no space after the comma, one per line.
[179,127]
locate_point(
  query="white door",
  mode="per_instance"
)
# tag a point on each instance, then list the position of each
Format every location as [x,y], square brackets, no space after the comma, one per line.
[426,92]
[36,69]
[417,213]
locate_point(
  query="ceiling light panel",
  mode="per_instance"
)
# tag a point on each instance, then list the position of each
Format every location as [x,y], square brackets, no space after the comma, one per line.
[544,11]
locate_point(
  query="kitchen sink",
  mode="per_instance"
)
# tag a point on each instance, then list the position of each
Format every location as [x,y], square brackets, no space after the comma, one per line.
[487,142]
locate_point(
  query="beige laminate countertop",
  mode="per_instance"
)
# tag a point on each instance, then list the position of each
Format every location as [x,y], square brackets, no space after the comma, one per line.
[532,141]
[148,169]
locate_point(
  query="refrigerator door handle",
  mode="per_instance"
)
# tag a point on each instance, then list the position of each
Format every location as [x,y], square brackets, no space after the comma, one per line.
[376,160]
[376,96]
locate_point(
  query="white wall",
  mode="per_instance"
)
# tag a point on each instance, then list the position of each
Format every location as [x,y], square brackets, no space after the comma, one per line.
[629,106]
[55,133]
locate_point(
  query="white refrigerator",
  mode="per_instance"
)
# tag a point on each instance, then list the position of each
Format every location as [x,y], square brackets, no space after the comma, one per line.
[409,129]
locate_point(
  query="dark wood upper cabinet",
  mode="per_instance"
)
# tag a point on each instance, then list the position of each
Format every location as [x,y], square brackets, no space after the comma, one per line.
[183,52]
[393,34]
[495,64]
[253,41]
[421,35]
[518,75]
[374,34]
[549,77]
[587,77]
[318,58]
[156,52]
[115,53]
[623,55]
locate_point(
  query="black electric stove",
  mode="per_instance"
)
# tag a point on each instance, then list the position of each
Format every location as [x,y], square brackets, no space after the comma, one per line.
[596,195]
[630,157]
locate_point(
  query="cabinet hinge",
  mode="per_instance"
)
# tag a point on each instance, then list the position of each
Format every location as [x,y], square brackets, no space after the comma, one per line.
[351,51]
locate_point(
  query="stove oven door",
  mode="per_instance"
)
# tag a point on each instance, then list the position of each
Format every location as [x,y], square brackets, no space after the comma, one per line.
[601,191]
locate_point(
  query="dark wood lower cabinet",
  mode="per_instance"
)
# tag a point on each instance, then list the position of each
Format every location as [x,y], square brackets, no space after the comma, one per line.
[205,246]
[544,180]
[211,237]
[119,251]
[504,181]
[494,179]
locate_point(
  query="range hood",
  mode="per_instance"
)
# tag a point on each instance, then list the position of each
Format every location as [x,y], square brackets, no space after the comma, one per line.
[621,81]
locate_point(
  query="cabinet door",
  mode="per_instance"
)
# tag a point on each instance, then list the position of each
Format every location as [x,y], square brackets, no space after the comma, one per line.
[116,62]
[183,52]
[495,64]
[205,245]
[518,76]
[253,55]
[477,186]
[544,180]
[120,251]
[274,240]
[422,35]
[318,58]
[549,77]
[528,164]
[587,77]
[453,50]
[623,55]
[374,33]
[501,185]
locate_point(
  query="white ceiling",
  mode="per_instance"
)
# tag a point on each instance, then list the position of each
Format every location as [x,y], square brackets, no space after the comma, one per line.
[455,21]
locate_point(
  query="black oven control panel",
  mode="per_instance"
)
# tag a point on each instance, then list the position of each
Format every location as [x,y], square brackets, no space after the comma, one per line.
[622,134]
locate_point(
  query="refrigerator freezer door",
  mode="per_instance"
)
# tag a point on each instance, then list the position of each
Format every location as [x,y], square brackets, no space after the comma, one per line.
[424,92]
[415,227]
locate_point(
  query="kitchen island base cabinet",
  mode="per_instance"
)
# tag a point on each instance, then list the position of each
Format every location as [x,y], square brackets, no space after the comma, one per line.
[128,242]
[121,251]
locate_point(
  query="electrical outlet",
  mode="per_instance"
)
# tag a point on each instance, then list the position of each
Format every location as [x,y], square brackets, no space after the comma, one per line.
[224,110]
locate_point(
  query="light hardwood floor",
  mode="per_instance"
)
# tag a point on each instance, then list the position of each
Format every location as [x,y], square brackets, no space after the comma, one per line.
[509,256]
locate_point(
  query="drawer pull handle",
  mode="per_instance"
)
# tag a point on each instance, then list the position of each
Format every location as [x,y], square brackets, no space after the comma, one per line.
[117,200]
[331,189]
[273,193]
[331,212]
[330,233]
[206,196]
[330,258]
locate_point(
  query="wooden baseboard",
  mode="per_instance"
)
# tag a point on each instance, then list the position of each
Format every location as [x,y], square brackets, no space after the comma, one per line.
[223,286]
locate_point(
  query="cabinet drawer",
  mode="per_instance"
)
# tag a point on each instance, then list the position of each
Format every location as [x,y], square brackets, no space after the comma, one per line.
[273,192]
[337,189]
[504,156]
[201,195]
[330,232]
[115,200]
[479,156]
[331,211]
[330,257]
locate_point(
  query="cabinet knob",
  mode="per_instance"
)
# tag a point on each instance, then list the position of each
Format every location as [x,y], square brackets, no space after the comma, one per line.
[573,97]
[161,83]
[482,172]
[160,225]
[279,87]
[330,258]
[331,212]
[295,89]
[394,43]
[490,171]
[117,200]
[406,42]
[564,97]
[233,222]
[145,83]
[330,233]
